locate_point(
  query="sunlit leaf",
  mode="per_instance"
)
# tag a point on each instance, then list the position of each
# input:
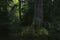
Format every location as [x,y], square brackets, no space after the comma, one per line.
[15,1]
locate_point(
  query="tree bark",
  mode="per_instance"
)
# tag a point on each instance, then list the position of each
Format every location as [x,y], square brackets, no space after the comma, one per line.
[38,12]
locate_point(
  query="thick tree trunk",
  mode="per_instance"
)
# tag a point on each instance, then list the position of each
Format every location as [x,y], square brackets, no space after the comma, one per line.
[38,12]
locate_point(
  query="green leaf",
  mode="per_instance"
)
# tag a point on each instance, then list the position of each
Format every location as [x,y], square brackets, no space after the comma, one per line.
[15,1]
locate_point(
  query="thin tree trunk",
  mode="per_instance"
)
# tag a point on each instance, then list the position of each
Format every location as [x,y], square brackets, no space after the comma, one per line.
[20,10]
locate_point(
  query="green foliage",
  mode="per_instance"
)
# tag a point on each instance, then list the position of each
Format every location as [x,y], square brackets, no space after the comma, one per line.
[15,1]
[51,17]
[9,15]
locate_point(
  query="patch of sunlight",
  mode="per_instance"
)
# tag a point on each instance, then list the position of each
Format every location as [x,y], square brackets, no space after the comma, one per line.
[43,31]
[26,30]
[22,14]
[15,1]
[52,0]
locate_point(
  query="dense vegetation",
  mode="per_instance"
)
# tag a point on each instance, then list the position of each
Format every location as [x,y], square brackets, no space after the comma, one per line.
[18,20]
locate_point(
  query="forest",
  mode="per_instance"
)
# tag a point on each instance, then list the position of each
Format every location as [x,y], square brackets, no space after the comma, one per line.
[29,20]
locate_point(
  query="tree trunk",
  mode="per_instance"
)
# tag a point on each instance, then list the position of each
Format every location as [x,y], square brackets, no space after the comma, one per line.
[38,12]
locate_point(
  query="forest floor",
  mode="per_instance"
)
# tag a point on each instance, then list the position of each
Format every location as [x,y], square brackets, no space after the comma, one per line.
[22,33]
[26,33]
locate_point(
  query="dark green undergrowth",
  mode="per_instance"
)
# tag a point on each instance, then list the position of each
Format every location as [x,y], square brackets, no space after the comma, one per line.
[28,33]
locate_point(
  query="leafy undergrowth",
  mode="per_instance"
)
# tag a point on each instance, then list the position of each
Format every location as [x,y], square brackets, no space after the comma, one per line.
[29,33]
